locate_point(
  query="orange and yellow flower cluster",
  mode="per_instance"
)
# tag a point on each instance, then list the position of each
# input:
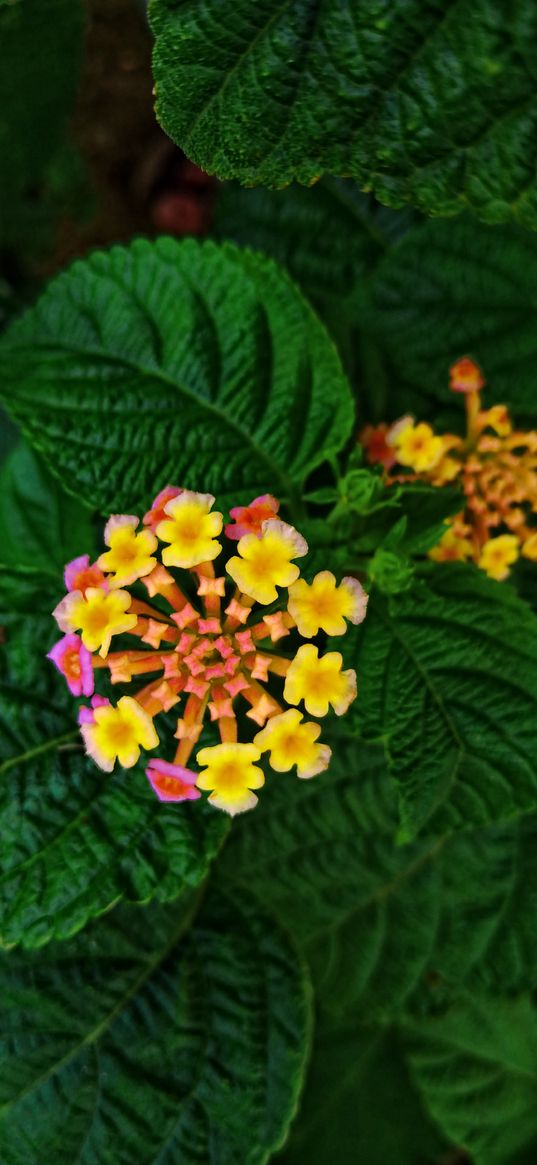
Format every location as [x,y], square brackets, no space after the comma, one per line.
[205,650]
[495,465]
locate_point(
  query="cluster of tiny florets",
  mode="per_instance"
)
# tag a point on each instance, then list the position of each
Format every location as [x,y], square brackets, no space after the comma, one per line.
[205,646]
[495,465]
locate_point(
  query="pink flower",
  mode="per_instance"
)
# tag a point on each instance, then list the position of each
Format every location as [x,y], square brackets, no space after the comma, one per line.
[74,662]
[85,714]
[249,519]
[80,574]
[172,782]
[157,513]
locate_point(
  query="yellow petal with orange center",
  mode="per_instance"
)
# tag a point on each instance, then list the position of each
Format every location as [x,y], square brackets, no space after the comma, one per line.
[291,741]
[319,681]
[119,734]
[323,606]
[265,562]
[230,775]
[190,529]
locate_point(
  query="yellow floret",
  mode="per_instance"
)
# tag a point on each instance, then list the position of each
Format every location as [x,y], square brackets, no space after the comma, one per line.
[265,562]
[319,681]
[190,529]
[230,775]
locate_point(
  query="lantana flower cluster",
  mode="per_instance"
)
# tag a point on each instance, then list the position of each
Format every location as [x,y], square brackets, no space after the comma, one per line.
[207,643]
[495,465]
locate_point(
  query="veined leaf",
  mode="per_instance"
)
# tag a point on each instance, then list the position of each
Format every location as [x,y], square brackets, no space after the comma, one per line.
[76,840]
[142,1040]
[449,680]
[357,1076]
[159,362]
[419,102]
[41,527]
[476,1069]
[441,292]
[387,927]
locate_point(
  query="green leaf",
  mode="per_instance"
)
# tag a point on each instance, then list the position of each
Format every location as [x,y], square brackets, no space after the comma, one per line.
[385,926]
[420,103]
[330,237]
[142,1040]
[166,361]
[476,1069]
[41,53]
[76,840]
[449,680]
[41,527]
[358,1076]
[445,291]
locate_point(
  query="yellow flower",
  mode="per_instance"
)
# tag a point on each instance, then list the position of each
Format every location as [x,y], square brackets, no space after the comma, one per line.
[529,548]
[118,734]
[325,606]
[129,556]
[293,742]
[97,615]
[498,554]
[190,530]
[452,547]
[230,774]
[418,448]
[319,682]
[265,562]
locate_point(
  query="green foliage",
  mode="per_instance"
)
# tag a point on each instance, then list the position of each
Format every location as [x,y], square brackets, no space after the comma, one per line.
[440,293]
[419,103]
[41,527]
[451,687]
[207,363]
[388,927]
[41,50]
[358,1076]
[169,1035]
[491,1046]
[75,839]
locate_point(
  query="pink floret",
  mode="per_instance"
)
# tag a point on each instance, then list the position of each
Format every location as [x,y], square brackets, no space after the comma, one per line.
[172,782]
[74,662]
[85,714]
[79,574]
[157,512]
[249,519]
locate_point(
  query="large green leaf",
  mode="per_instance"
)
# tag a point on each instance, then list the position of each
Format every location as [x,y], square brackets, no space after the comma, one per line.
[41,50]
[75,840]
[444,290]
[476,1069]
[419,101]
[41,527]
[387,926]
[357,1077]
[143,1041]
[165,361]
[448,676]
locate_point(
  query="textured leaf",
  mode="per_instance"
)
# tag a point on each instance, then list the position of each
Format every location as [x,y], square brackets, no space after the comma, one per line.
[476,1068]
[387,926]
[449,679]
[76,840]
[420,102]
[36,97]
[138,1041]
[446,290]
[329,237]
[358,1076]
[41,527]
[166,361]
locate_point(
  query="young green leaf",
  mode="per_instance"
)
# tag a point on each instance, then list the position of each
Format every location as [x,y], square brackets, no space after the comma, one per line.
[166,361]
[448,676]
[154,1036]
[420,103]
